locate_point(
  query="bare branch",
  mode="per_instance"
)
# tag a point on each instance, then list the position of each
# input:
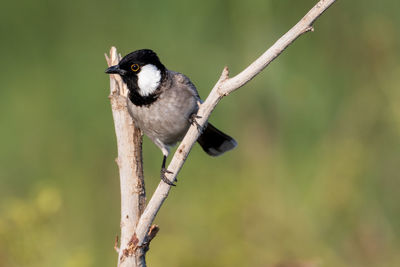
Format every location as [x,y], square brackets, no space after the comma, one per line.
[223,87]
[129,142]
[303,26]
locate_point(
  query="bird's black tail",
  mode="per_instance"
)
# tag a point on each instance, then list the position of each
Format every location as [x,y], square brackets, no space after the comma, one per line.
[214,142]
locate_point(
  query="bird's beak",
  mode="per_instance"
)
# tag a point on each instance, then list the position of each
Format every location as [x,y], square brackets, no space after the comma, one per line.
[114,70]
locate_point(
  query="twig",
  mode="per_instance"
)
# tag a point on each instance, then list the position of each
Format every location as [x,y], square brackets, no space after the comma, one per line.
[223,87]
[116,248]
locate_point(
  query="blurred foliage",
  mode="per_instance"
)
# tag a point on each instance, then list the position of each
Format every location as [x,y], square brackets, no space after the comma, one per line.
[314,181]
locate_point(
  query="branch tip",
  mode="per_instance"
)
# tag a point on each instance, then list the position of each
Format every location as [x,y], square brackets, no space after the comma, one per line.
[117,161]
[107,59]
[309,29]
[116,244]
[224,74]
[152,232]
[113,55]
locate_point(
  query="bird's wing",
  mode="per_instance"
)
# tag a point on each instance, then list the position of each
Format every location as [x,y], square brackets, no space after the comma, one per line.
[184,83]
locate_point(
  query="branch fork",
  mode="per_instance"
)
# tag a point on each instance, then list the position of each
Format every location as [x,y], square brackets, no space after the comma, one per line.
[136,218]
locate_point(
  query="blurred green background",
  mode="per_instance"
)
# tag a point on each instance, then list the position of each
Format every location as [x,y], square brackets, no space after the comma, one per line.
[313,182]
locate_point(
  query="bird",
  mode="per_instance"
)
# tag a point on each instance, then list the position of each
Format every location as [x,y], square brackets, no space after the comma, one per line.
[163,104]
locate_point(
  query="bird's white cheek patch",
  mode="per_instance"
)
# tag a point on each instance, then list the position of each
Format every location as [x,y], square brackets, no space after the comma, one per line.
[149,79]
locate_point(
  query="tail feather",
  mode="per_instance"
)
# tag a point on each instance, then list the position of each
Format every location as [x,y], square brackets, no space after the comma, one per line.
[214,142]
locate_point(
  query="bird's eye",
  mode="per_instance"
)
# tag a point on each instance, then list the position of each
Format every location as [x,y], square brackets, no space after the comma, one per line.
[135,67]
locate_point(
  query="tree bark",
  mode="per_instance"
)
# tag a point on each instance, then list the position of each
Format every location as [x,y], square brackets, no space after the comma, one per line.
[129,161]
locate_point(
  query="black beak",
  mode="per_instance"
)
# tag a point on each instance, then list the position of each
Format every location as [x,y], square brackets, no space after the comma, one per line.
[113,70]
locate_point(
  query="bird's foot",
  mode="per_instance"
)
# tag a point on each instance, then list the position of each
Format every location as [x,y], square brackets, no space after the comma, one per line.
[193,121]
[164,178]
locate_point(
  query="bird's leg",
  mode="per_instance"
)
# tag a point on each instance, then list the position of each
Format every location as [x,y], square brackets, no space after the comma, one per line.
[193,121]
[164,171]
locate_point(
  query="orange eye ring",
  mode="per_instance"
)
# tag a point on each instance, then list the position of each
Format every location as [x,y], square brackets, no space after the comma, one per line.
[135,67]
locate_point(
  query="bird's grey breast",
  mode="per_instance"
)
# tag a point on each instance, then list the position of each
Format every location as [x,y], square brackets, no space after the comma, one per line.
[167,118]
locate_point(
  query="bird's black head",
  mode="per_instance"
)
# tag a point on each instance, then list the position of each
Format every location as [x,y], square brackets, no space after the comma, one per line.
[143,73]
